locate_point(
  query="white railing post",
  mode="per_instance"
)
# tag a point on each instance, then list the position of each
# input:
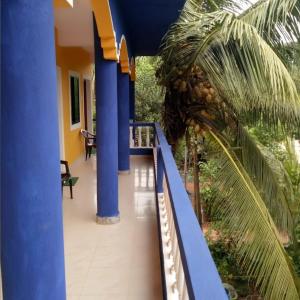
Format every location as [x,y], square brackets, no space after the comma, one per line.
[140,137]
[147,137]
[181,281]
[131,137]
[185,295]
[144,136]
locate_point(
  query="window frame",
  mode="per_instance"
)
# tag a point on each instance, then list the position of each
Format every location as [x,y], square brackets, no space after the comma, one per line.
[76,75]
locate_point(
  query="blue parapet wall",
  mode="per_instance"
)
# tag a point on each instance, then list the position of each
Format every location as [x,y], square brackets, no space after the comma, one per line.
[201,275]
[141,151]
[202,278]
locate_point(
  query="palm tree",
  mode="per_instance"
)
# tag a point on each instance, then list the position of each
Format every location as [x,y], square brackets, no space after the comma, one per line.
[222,65]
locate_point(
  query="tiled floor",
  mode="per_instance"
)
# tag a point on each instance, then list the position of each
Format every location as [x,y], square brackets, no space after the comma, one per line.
[118,261]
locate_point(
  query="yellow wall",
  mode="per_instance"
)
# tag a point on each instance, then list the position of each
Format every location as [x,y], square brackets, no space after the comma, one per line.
[77,60]
[63,3]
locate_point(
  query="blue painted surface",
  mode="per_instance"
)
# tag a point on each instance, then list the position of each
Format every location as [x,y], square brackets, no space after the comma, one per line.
[132,100]
[120,25]
[141,151]
[107,132]
[203,280]
[160,171]
[147,22]
[142,124]
[158,218]
[32,251]
[123,121]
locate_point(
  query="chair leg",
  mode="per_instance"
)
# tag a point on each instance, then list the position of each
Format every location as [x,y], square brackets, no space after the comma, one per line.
[71,188]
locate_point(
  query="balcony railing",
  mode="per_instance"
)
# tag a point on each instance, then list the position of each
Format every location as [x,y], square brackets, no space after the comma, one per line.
[188,269]
[141,138]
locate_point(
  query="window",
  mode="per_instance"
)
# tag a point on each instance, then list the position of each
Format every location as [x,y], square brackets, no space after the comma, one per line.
[75,102]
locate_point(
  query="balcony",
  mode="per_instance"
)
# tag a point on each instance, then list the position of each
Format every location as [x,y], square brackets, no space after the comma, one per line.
[157,250]
[118,261]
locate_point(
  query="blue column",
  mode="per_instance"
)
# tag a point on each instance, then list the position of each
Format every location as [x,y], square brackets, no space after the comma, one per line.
[123,122]
[32,251]
[132,100]
[107,136]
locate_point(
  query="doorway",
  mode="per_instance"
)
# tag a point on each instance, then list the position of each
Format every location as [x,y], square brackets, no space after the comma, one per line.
[88,116]
[60,114]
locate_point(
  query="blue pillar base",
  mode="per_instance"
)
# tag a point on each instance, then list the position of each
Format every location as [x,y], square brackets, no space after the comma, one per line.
[107,220]
[124,172]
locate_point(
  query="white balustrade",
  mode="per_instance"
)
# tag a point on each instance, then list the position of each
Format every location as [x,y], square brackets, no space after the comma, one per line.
[141,136]
[147,137]
[131,140]
[172,225]
[173,269]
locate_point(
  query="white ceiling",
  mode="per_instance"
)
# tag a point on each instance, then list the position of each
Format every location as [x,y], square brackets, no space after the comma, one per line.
[75,25]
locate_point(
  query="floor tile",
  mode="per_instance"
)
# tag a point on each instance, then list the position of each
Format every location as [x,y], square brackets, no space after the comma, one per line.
[101,281]
[121,261]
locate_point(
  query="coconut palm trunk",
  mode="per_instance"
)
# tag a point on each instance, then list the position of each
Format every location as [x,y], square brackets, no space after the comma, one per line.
[196,174]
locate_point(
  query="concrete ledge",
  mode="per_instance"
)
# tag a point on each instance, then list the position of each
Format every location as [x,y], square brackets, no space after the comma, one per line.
[107,220]
[125,172]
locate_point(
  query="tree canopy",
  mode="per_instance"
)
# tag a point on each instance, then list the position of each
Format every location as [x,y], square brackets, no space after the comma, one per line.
[226,67]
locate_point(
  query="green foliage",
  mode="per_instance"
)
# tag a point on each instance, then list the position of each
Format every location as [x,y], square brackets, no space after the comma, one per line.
[270,179]
[282,147]
[179,154]
[149,96]
[238,54]
[226,261]
[293,166]
[208,170]
[223,70]
[295,256]
[208,194]
[249,223]
[271,139]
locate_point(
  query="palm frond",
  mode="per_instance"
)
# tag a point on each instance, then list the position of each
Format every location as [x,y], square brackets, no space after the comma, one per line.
[270,178]
[243,67]
[275,19]
[246,217]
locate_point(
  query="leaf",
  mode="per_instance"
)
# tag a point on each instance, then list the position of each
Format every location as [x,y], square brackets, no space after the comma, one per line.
[243,67]
[247,219]
[275,19]
[270,178]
